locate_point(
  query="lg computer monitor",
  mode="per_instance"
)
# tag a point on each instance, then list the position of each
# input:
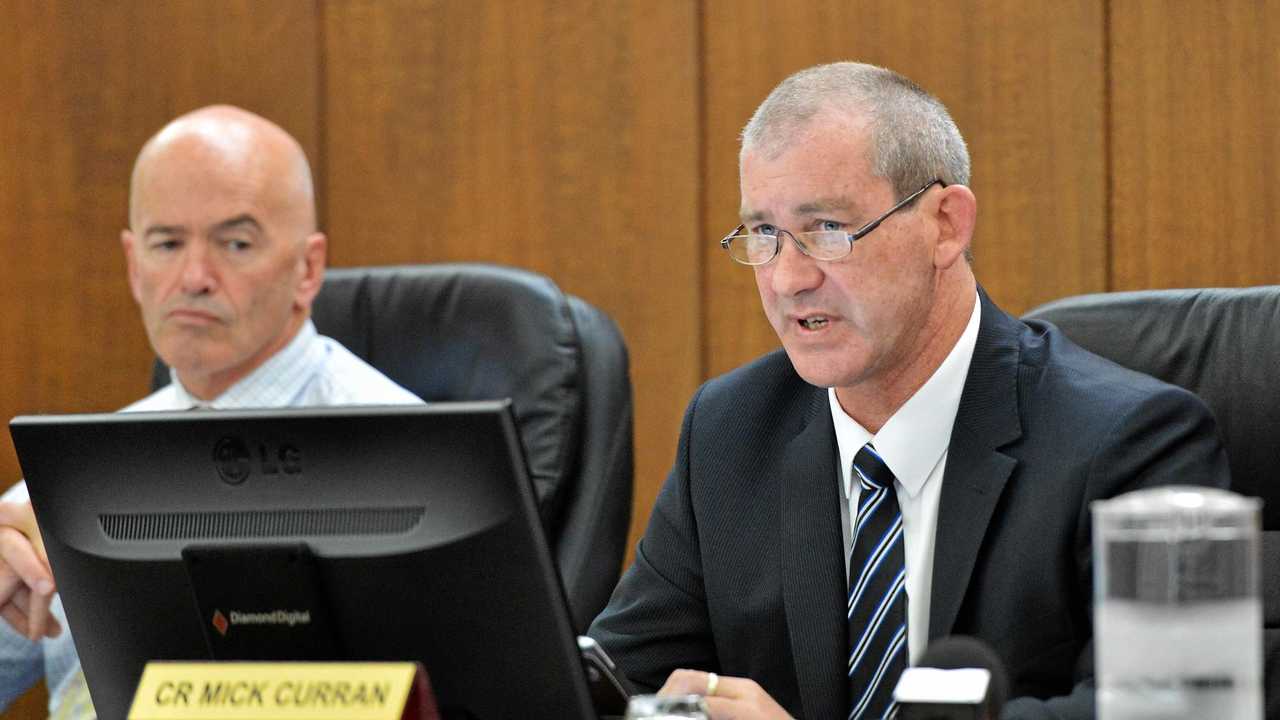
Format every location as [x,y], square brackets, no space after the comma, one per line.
[389,533]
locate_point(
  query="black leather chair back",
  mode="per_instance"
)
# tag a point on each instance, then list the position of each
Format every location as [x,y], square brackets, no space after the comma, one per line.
[1224,345]
[471,332]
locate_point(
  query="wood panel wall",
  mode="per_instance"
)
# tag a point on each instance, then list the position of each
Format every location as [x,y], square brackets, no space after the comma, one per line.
[1116,145]
[1195,94]
[561,137]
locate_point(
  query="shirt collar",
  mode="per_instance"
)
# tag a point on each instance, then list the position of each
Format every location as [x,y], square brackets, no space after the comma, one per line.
[274,383]
[915,438]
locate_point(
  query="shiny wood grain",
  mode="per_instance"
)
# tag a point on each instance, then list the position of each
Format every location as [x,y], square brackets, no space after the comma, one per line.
[560,137]
[1195,97]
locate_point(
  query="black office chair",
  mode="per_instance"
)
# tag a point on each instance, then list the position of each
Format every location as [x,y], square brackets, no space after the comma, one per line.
[470,332]
[1224,345]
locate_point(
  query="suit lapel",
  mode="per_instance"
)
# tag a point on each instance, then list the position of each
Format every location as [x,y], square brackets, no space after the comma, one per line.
[813,575]
[976,471]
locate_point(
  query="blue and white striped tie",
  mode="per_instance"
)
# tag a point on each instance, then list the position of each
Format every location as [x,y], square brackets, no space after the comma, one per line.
[877,609]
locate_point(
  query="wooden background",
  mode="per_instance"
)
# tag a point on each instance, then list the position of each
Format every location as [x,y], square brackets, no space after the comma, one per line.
[1117,144]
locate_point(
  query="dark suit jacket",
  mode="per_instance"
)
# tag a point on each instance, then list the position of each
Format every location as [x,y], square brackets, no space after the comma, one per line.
[741,569]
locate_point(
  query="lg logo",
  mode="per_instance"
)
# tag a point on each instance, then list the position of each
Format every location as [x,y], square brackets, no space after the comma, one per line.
[234,460]
[231,458]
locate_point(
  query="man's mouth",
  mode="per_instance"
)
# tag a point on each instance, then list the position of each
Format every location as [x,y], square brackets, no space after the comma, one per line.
[814,323]
[193,315]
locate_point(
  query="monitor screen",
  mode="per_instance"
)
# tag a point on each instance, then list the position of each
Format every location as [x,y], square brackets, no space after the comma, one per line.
[378,533]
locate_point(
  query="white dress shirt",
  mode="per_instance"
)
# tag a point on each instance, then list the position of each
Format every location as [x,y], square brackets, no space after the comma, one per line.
[913,443]
[312,370]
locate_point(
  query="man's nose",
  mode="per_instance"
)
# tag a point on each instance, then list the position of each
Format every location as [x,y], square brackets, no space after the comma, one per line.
[198,274]
[793,271]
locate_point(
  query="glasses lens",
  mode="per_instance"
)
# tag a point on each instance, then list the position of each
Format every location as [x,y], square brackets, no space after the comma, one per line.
[753,249]
[825,245]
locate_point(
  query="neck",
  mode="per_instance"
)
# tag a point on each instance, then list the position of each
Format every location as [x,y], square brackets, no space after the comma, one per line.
[873,402]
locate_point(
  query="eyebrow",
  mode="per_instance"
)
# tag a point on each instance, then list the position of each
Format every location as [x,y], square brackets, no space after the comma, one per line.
[824,205]
[242,219]
[164,230]
[816,207]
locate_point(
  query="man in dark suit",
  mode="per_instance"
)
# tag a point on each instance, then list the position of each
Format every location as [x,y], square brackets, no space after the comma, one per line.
[916,464]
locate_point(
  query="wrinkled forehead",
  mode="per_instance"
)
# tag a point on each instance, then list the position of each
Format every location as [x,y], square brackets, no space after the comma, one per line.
[188,174]
[824,167]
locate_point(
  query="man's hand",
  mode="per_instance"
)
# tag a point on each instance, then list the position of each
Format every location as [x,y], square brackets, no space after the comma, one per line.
[26,582]
[730,698]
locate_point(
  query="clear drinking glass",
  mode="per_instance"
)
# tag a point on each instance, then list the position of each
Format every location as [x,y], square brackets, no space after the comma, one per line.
[666,707]
[1178,607]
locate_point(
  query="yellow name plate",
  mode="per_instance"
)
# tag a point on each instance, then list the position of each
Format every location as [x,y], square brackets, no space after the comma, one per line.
[277,691]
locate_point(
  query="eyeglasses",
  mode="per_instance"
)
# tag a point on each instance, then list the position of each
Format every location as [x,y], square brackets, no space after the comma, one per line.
[759,248]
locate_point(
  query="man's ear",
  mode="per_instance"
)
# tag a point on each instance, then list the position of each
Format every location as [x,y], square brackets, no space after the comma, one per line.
[314,252]
[957,213]
[129,243]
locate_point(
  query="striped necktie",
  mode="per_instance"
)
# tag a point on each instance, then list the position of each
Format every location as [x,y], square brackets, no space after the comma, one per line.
[877,608]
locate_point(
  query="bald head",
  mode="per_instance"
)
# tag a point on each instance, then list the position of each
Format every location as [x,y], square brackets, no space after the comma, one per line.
[230,141]
[223,253]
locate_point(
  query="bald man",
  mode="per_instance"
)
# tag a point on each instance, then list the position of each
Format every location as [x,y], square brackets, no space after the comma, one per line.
[224,260]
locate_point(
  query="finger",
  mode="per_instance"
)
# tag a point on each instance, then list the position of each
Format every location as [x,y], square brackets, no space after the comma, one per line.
[9,584]
[17,550]
[16,619]
[685,682]
[21,517]
[730,687]
[27,585]
[18,515]
[697,682]
[723,708]
[37,544]
[40,621]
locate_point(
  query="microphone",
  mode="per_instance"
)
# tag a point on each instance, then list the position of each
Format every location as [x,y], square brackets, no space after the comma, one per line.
[957,678]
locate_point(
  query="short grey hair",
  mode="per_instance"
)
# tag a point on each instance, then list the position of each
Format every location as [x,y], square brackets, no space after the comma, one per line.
[914,139]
